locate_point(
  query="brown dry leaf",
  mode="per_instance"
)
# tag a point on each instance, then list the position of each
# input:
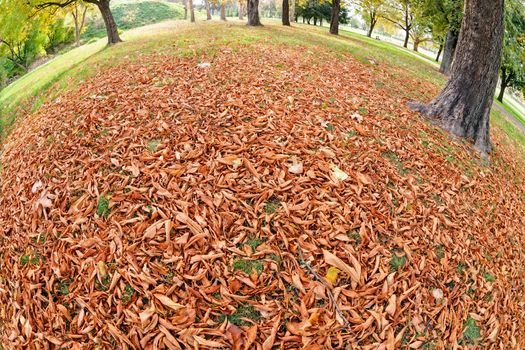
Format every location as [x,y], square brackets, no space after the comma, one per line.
[333,260]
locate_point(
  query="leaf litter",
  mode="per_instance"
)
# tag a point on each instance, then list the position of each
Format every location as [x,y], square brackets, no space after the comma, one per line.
[200,208]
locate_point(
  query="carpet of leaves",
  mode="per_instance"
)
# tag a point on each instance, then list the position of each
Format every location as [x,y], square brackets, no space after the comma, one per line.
[163,205]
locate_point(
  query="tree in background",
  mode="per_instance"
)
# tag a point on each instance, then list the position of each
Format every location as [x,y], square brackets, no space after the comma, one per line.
[103,6]
[22,38]
[286,13]
[192,11]
[334,18]
[451,13]
[242,8]
[402,14]
[208,12]
[78,13]
[253,13]
[463,107]
[223,10]
[512,71]
[371,11]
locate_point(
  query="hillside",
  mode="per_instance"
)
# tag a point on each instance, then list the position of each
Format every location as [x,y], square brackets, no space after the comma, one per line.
[284,197]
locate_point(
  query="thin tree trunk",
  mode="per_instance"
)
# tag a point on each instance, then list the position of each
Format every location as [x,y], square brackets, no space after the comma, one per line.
[286,13]
[450,49]
[223,12]
[253,13]
[407,38]
[315,21]
[463,107]
[334,20]
[192,11]
[503,84]
[321,21]
[207,5]
[439,52]
[109,21]
[241,9]
[185,4]
[371,29]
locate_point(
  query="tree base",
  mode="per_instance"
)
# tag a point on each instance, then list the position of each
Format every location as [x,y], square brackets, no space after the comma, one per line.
[481,145]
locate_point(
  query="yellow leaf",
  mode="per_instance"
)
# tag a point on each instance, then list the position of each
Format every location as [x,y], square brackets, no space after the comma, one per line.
[102,269]
[332,274]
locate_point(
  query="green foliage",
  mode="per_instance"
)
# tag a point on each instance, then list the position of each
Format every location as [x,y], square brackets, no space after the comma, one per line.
[241,313]
[133,15]
[513,57]
[103,207]
[397,262]
[248,265]
[472,332]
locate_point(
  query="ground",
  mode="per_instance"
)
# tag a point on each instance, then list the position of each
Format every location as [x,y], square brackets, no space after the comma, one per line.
[284,197]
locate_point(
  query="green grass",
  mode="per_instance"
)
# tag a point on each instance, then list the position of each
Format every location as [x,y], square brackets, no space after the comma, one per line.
[247,266]
[397,262]
[103,207]
[513,133]
[472,332]
[134,15]
[241,314]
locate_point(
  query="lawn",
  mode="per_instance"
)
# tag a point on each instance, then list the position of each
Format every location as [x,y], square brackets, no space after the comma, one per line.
[281,196]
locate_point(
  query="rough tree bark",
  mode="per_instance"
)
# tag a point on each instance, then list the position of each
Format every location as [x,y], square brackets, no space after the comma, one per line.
[286,13]
[208,13]
[223,12]
[109,21]
[450,48]
[463,107]
[192,11]
[334,19]
[253,13]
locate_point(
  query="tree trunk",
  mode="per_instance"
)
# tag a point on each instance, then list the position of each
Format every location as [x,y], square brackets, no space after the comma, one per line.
[109,21]
[334,20]
[253,13]
[371,29]
[185,5]
[503,84]
[439,52]
[407,38]
[463,107]
[321,21]
[192,11]
[208,14]
[223,12]
[416,44]
[450,49]
[286,13]
[315,21]
[241,9]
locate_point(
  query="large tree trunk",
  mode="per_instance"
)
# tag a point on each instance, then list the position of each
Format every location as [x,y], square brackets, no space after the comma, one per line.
[450,49]
[109,21]
[253,13]
[207,5]
[223,12]
[192,11]
[334,20]
[463,107]
[286,13]
[439,52]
